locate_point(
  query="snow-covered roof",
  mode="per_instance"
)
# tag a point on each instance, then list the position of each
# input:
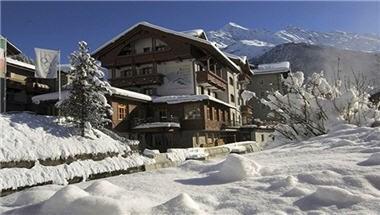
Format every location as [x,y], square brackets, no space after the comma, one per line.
[130,94]
[21,64]
[243,59]
[176,33]
[158,125]
[196,33]
[176,99]
[279,65]
[115,91]
[272,68]
[50,96]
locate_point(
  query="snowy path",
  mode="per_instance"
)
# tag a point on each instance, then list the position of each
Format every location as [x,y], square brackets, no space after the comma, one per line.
[335,174]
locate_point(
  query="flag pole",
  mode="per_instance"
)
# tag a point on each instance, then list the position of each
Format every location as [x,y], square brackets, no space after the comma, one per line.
[59,84]
[5,75]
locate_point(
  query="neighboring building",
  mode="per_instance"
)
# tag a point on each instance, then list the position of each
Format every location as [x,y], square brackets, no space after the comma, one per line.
[195,87]
[20,82]
[266,78]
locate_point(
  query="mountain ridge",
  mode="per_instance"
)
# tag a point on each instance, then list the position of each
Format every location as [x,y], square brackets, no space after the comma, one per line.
[240,40]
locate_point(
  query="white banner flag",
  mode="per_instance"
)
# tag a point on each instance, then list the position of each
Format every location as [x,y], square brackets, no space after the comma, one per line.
[46,63]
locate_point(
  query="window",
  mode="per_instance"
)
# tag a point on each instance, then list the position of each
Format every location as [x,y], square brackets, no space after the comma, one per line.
[146,49]
[192,111]
[149,91]
[122,111]
[232,98]
[262,138]
[231,81]
[209,92]
[262,82]
[223,115]
[202,90]
[160,45]
[146,71]
[209,113]
[217,114]
[126,50]
[160,48]
[163,114]
[127,73]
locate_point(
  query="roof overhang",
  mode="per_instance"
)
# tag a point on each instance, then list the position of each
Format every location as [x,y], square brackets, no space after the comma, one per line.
[196,41]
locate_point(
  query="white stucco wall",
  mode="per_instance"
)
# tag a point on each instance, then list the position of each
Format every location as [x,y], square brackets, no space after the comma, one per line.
[178,78]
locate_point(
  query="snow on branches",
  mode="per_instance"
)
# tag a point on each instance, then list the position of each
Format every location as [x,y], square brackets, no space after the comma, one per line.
[310,108]
[87,105]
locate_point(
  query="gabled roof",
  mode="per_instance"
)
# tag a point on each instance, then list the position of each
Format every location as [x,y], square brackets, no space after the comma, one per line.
[198,40]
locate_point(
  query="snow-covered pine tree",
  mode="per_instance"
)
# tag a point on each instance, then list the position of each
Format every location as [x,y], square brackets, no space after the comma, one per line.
[87,105]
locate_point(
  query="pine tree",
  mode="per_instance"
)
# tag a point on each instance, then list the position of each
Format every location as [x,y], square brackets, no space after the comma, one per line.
[87,105]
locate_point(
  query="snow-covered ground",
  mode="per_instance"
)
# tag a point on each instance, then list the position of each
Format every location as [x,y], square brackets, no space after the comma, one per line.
[338,173]
[31,137]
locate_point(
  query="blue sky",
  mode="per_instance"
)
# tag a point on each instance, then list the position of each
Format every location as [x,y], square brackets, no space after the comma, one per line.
[60,25]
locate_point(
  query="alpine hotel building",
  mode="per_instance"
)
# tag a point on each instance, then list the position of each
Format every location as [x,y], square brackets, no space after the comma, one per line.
[194,88]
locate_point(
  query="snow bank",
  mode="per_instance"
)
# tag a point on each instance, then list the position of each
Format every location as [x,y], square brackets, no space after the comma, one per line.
[287,182]
[181,204]
[32,197]
[374,159]
[184,154]
[57,204]
[19,177]
[104,188]
[234,168]
[327,196]
[74,200]
[151,153]
[32,137]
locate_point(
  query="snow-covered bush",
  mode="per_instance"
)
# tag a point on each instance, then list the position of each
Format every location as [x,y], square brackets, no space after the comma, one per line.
[87,105]
[309,108]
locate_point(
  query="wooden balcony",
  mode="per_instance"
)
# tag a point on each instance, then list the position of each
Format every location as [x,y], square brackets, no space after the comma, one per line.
[140,80]
[246,110]
[209,79]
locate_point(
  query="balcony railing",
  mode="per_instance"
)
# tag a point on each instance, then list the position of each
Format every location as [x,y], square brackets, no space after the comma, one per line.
[139,80]
[230,124]
[210,79]
[138,121]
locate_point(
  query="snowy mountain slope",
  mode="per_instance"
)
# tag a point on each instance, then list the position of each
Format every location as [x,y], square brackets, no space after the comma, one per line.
[337,173]
[240,40]
[312,58]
